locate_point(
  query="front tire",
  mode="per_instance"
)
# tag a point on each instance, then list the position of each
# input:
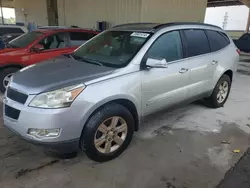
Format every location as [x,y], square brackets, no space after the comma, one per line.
[107,133]
[5,75]
[220,93]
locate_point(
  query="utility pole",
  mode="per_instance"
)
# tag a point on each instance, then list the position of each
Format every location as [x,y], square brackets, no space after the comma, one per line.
[225,22]
[248,23]
[1,9]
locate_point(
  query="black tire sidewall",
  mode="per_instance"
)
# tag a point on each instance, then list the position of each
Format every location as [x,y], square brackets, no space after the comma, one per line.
[214,100]
[87,138]
[3,73]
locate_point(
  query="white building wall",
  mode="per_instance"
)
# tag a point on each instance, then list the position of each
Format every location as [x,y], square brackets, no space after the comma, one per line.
[173,10]
[85,13]
[31,11]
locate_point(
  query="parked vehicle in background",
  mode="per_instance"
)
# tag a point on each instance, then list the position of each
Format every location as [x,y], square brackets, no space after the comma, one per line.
[95,98]
[243,43]
[38,46]
[9,37]
[8,29]
[53,27]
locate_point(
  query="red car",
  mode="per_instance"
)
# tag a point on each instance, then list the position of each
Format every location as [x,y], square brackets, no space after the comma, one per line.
[38,46]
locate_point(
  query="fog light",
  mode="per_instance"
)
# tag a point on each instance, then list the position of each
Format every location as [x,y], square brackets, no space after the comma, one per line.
[41,133]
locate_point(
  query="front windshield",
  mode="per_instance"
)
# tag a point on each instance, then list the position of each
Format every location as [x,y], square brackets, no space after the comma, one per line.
[112,48]
[24,40]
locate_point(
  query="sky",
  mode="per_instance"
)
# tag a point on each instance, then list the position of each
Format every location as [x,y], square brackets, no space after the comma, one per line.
[237,17]
[8,13]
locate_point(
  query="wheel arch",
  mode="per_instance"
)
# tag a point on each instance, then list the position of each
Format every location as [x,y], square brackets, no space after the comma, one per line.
[229,73]
[127,103]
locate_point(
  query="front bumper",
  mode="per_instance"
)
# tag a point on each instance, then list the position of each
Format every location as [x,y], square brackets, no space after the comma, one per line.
[61,147]
[67,119]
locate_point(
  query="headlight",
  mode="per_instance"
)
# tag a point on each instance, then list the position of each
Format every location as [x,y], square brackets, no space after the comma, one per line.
[57,99]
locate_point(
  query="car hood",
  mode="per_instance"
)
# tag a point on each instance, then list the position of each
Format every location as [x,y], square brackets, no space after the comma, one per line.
[11,51]
[56,73]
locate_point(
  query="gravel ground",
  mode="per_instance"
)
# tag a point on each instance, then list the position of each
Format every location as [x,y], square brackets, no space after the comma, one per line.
[177,148]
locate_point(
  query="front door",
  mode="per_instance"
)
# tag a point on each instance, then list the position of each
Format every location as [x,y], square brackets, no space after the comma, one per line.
[54,45]
[163,87]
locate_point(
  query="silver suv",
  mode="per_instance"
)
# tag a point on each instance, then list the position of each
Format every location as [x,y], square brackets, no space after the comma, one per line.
[94,99]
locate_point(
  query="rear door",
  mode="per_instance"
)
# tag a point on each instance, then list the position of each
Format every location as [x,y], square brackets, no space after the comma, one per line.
[54,45]
[200,62]
[218,42]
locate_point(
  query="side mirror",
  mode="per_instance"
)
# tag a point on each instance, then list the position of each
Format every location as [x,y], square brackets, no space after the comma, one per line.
[38,48]
[156,63]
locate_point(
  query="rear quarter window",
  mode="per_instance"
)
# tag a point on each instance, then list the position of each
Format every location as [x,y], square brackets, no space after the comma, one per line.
[217,40]
[196,42]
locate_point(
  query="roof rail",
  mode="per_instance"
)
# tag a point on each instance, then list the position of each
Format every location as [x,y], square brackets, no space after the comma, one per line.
[132,24]
[183,23]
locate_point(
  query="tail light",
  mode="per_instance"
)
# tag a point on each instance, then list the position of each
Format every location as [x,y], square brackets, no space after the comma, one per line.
[238,51]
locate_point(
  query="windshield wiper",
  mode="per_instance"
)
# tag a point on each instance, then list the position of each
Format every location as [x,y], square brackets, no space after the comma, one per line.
[91,61]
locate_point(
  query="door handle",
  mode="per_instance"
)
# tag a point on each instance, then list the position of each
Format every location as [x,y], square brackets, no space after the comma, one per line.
[183,70]
[214,62]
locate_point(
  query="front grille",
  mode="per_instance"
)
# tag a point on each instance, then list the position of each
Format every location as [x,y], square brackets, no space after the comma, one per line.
[11,112]
[16,95]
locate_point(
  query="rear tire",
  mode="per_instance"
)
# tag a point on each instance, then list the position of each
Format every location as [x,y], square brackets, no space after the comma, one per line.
[4,76]
[220,93]
[104,143]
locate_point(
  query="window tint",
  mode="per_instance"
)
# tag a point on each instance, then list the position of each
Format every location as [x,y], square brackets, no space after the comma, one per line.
[6,30]
[197,43]
[167,46]
[54,41]
[217,40]
[79,38]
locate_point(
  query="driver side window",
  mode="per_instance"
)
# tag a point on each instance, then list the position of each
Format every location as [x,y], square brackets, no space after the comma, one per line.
[54,41]
[168,46]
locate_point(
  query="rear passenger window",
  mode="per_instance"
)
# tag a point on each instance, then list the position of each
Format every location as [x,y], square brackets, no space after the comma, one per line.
[79,38]
[197,43]
[168,46]
[217,40]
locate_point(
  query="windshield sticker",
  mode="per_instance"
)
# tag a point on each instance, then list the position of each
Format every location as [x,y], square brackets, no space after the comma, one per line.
[142,35]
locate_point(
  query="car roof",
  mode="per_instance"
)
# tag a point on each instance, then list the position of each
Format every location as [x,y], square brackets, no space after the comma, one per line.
[153,27]
[56,30]
[11,26]
[24,29]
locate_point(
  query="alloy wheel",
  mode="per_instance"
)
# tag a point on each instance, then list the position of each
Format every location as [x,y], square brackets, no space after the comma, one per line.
[223,92]
[6,80]
[110,134]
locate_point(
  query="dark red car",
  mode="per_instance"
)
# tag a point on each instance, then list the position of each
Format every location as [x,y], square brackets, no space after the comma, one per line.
[38,46]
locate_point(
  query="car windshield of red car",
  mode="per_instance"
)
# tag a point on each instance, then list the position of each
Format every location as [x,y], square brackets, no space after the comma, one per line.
[24,40]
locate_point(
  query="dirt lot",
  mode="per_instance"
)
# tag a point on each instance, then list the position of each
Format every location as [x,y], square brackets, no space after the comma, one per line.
[178,148]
